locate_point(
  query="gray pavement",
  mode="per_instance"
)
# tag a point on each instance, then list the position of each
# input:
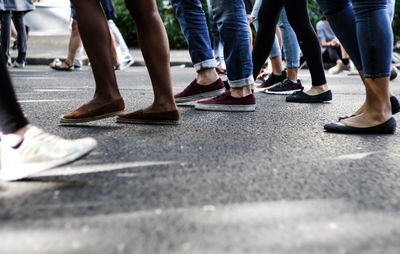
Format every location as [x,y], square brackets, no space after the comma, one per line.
[271,181]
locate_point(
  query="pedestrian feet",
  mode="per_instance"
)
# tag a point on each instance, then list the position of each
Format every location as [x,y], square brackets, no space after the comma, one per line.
[218,98]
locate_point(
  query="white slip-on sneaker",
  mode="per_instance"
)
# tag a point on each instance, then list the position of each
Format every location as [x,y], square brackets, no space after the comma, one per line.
[40,151]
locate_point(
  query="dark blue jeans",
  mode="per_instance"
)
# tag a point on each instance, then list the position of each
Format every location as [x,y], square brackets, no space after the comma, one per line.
[363,28]
[230,17]
[18,18]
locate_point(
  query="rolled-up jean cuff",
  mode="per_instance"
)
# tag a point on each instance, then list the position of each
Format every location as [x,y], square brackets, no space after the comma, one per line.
[207,64]
[378,75]
[295,64]
[242,82]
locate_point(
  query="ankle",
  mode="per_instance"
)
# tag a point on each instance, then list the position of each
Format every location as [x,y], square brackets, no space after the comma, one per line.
[240,92]
[14,139]
[207,76]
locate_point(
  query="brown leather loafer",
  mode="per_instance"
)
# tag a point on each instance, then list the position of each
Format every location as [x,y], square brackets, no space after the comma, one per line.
[140,117]
[83,114]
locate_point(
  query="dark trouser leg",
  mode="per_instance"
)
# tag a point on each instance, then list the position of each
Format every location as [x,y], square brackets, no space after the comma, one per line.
[299,20]
[18,18]
[11,116]
[5,35]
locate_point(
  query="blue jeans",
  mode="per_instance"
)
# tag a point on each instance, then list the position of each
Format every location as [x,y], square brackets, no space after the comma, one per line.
[363,28]
[231,20]
[217,43]
[290,46]
[193,23]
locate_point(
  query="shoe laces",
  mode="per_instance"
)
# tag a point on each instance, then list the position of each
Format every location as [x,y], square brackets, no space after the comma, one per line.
[284,82]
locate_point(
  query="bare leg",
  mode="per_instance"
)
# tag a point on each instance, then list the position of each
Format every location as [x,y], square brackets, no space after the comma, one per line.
[13,30]
[292,73]
[155,48]
[93,28]
[74,43]
[115,60]
[276,65]
[377,108]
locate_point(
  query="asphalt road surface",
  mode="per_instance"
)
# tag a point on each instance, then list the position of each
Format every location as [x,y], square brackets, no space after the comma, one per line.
[271,181]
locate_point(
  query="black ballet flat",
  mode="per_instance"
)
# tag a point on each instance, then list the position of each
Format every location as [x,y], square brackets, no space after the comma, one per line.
[305,98]
[388,127]
[393,101]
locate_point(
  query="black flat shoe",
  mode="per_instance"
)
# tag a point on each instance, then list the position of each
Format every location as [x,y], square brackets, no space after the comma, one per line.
[393,101]
[305,98]
[395,105]
[388,127]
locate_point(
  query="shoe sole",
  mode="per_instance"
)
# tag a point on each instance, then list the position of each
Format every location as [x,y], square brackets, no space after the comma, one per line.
[200,96]
[31,169]
[266,88]
[143,121]
[227,108]
[283,92]
[89,119]
[308,101]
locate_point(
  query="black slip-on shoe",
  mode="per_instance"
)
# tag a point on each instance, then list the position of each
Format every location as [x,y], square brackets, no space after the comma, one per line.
[395,108]
[388,127]
[395,105]
[305,98]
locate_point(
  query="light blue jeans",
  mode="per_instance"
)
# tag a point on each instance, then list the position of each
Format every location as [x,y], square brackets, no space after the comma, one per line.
[217,43]
[291,48]
[363,27]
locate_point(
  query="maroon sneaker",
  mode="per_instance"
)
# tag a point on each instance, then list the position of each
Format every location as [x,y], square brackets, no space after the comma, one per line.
[226,102]
[286,87]
[272,81]
[195,92]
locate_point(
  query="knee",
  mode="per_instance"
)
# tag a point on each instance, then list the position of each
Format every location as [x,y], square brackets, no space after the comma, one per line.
[140,11]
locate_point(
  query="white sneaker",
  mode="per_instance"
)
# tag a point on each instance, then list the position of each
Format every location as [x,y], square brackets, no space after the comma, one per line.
[126,64]
[19,65]
[338,68]
[40,151]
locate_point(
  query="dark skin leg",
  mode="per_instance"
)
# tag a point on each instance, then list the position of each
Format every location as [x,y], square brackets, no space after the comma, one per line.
[155,48]
[93,28]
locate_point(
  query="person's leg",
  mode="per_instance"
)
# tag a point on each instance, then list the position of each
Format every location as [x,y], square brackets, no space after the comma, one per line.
[25,149]
[193,23]
[373,23]
[216,38]
[297,14]
[233,26]
[267,18]
[115,59]
[232,23]
[93,28]
[375,39]
[5,35]
[341,17]
[74,43]
[122,48]
[18,18]
[155,48]
[291,47]
[11,117]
